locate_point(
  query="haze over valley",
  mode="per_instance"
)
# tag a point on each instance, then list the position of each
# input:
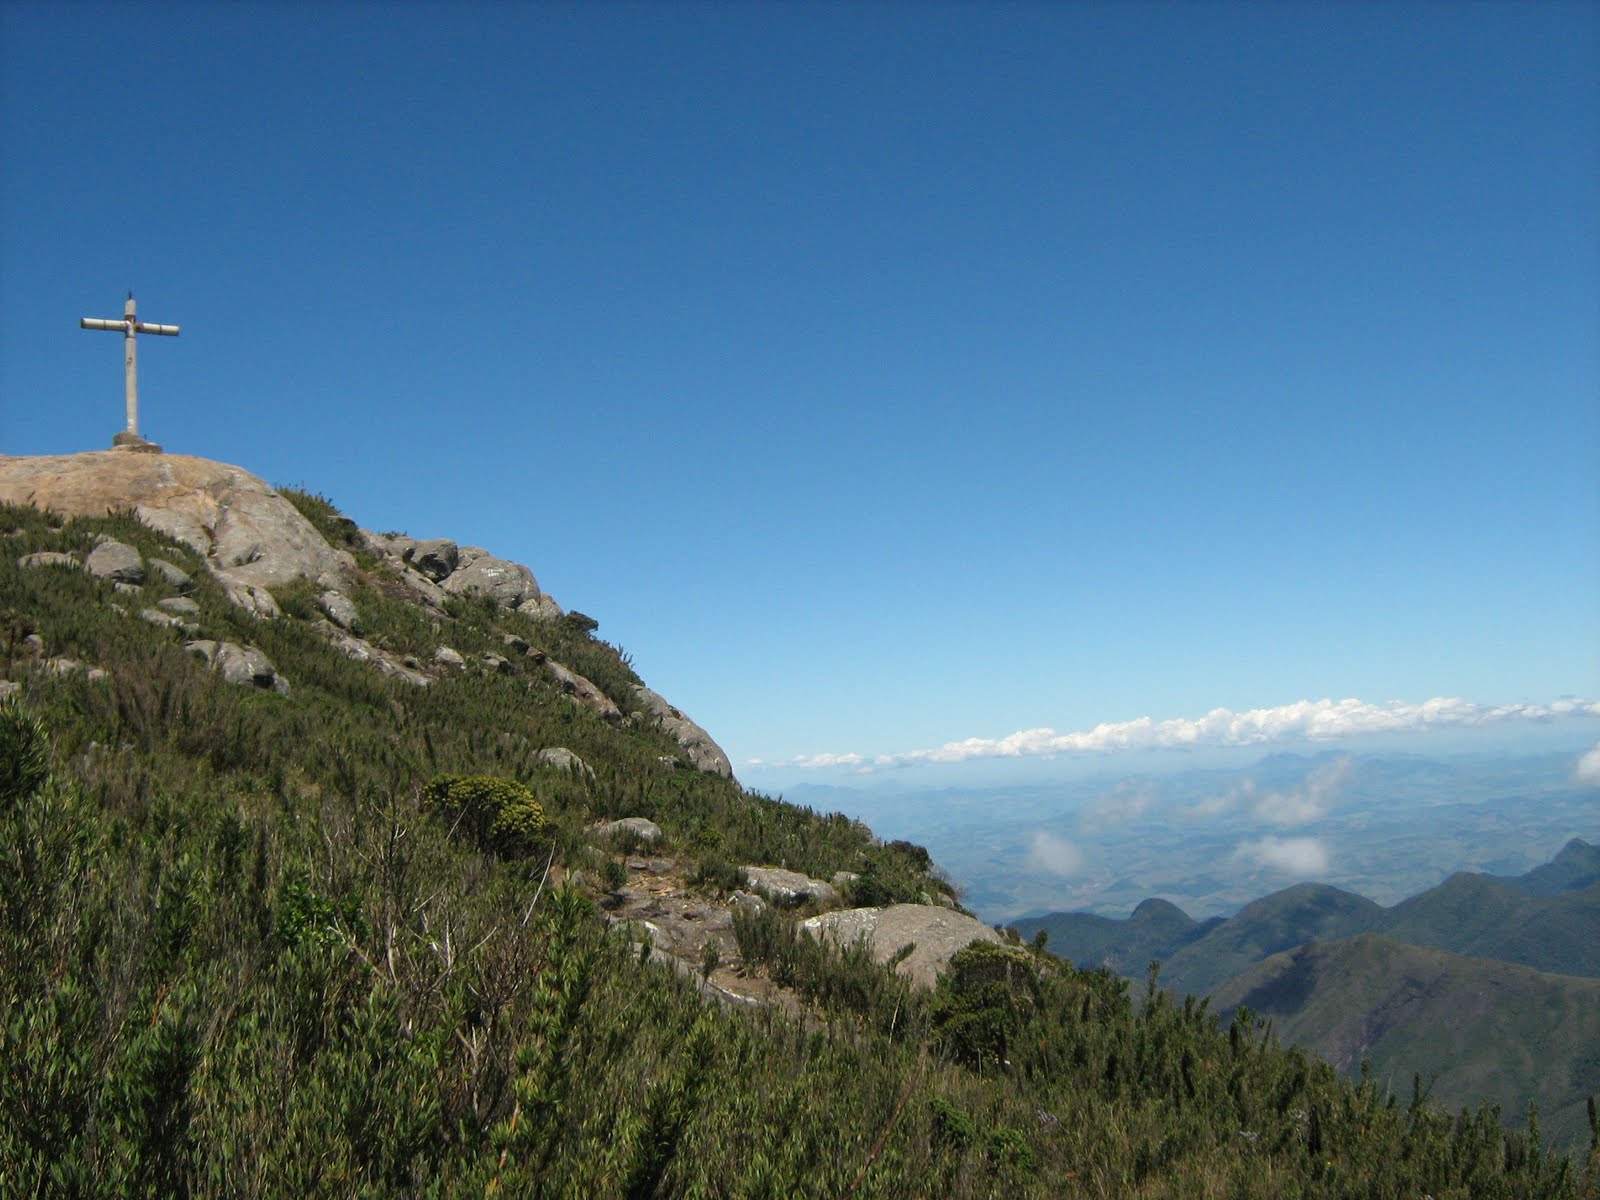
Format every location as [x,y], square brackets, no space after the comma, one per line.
[1210,840]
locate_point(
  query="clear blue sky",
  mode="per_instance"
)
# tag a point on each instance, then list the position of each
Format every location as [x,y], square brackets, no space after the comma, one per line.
[878,375]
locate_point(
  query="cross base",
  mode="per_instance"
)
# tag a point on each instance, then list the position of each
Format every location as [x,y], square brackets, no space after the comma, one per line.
[134,443]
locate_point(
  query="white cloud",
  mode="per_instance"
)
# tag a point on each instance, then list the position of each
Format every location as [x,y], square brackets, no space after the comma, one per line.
[817,761]
[1310,800]
[1301,857]
[1211,806]
[1054,855]
[1304,720]
[1588,770]
[1128,801]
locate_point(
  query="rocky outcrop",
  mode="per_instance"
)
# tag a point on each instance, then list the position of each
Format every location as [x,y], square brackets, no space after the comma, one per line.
[116,561]
[48,558]
[339,609]
[636,827]
[362,650]
[697,745]
[156,617]
[243,665]
[256,601]
[563,759]
[507,583]
[436,558]
[248,535]
[581,690]
[936,935]
[171,574]
[71,666]
[789,888]
[434,569]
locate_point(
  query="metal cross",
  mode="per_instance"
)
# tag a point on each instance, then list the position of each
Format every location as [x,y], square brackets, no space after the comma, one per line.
[131,327]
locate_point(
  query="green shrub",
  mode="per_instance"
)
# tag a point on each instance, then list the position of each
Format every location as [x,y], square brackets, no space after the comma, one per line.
[24,763]
[982,1002]
[1009,1150]
[306,918]
[952,1126]
[714,871]
[502,815]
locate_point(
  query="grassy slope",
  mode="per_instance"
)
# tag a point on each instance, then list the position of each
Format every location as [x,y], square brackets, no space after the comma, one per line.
[1473,1028]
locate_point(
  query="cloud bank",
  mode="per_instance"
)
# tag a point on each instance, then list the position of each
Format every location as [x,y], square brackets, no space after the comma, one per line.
[1305,720]
[1311,799]
[1302,857]
[1053,855]
[1588,770]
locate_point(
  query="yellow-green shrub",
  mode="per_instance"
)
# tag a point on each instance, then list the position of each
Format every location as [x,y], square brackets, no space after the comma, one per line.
[501,814]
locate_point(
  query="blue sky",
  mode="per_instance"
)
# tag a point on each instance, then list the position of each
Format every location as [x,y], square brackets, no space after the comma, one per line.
[880,376]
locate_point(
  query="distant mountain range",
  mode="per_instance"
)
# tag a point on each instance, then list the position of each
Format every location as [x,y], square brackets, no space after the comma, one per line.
[1486,985]
[1473,1028]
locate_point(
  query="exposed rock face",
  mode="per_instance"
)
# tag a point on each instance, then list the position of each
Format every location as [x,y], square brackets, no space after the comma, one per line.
[71,666]
[256,601]
[436,568]
[156,617]
[445,656]
[584,692]
[243,665]
[181,605]
[541,606]
[116,561]
[645,831]
[704,753]
[789,887]
[564,760]
[939,934]
[339,609]
[247,534]
[362,650]
[480,573]
[436,558]
[47,558]
[172,574]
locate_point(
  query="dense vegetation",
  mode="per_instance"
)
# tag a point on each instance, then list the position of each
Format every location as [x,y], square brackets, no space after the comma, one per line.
[1477,1022]
[340,943]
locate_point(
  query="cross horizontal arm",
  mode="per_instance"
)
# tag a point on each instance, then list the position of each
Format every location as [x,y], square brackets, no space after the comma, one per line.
[96,323]
[164,330]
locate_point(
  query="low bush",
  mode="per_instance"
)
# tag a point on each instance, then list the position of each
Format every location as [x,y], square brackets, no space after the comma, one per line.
[501,814]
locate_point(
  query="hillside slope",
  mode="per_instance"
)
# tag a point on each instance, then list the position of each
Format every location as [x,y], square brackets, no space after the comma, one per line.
[1576,866]
[1296,915]
[1471,1028]
[315,890]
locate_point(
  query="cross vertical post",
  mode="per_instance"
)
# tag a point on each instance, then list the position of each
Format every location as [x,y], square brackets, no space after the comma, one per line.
[130,327]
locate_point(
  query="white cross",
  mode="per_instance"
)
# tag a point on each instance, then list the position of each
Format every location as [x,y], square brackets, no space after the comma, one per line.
[130,327]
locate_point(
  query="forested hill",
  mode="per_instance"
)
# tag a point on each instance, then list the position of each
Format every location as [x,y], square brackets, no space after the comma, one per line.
[350,883]
[1519,948]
